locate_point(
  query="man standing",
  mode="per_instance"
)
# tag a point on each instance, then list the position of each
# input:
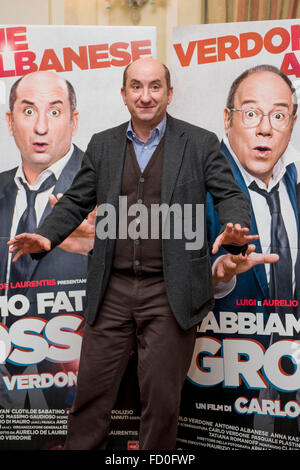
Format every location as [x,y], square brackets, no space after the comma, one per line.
[259,120]
[152,291]
[42,120]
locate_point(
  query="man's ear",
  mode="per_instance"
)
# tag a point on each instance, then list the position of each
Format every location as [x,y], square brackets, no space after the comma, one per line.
[75,117]
[227,119]
[170,94]
[123,93]
[9,120]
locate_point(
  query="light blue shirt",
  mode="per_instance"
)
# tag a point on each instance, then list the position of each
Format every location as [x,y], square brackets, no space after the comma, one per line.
[145,150]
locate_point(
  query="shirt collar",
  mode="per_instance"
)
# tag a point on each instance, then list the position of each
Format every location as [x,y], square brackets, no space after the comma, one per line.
[55,169]
[291,155]
[158,131]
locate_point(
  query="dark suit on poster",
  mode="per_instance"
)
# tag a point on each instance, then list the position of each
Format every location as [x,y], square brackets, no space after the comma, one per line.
[249,285]
[60,265]
[253,283]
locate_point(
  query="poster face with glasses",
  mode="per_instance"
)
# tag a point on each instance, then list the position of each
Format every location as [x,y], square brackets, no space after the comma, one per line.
[70,90]
[241,81]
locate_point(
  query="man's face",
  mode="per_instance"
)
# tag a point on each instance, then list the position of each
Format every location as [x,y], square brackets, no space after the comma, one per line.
[41,121]
[259,148]
[146,94]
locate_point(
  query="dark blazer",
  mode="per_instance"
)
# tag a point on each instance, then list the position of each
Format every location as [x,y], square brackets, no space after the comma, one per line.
[60,264]
[252,284]
[192,165]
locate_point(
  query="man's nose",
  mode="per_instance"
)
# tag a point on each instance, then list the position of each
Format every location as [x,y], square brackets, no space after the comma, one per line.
[264,127]
[41,124]
[145,95]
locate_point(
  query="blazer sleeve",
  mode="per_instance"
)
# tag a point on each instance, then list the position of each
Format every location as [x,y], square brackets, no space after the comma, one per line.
[75,204]
[229,200]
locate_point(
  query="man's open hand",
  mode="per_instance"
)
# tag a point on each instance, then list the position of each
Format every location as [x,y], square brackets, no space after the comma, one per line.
[230,265]
[233,234]
[28,243]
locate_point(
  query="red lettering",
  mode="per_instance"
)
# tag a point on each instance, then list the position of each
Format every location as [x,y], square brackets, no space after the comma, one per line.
[117,51]
[244,44]
[5,73]
[290,65]
[16,37]
[50,61]
[185,58]
[2,39]
[227,45]
[81,59]
[204,49]
[295,33]
[139,48]
[24,62]
[96,54]
[285,40]
[92,56]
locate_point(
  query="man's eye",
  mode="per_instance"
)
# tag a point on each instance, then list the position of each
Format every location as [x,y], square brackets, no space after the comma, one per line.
[54,112]
[279,116]
[28,111]
[251,113]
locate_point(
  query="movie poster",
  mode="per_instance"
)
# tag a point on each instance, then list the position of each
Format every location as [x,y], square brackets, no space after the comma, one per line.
[46,125]
[242,389]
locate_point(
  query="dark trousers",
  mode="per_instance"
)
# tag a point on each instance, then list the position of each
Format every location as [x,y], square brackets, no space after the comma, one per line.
[135,310]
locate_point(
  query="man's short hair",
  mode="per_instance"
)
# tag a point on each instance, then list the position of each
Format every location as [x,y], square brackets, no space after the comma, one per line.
[70,88]
[167,75]
[260,68]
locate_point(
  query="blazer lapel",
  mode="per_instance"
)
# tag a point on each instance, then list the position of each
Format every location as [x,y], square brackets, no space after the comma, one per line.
[115,162]
[175,141]
[290,180]
[258,270]
[7,205]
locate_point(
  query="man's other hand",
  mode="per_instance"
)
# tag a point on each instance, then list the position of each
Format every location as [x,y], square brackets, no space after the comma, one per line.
[233,234]
[28,243]
[229,265]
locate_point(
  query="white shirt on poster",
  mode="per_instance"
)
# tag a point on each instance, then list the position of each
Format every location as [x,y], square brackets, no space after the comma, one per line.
[41,198]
